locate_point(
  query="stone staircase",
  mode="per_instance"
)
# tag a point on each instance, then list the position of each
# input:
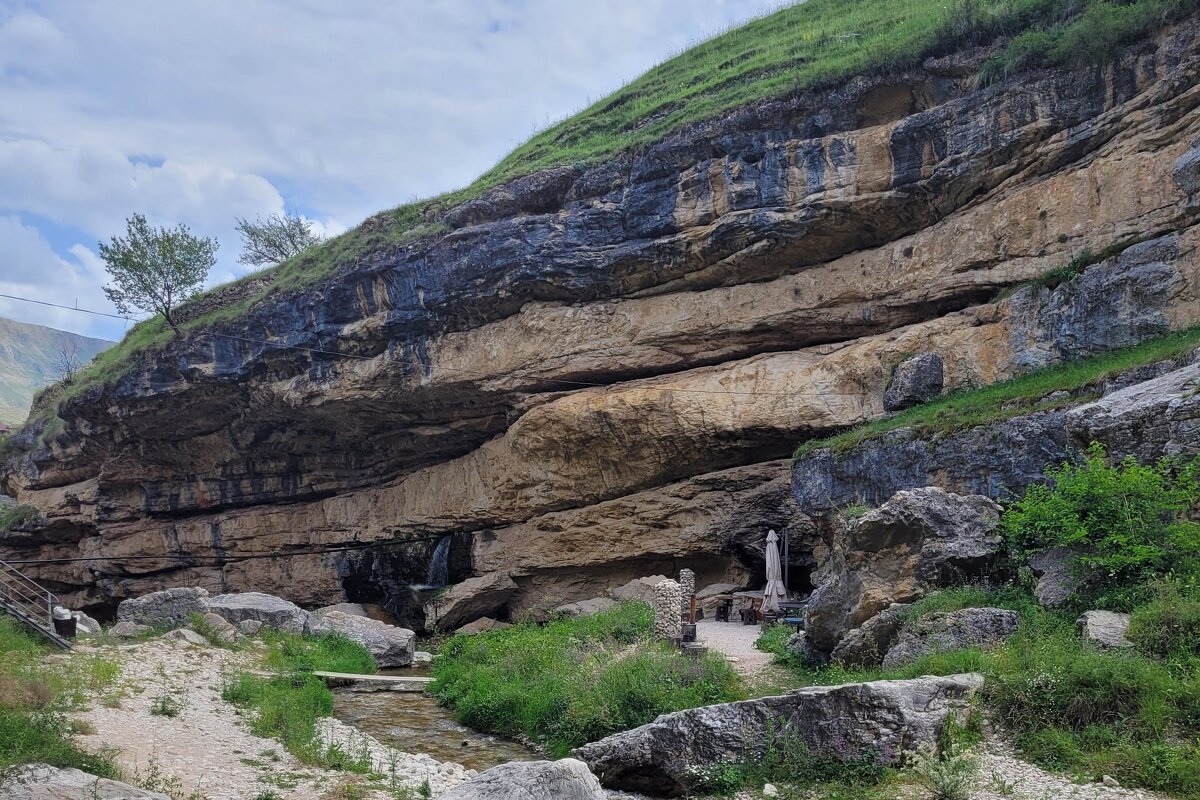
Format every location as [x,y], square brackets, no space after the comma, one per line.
[29,603]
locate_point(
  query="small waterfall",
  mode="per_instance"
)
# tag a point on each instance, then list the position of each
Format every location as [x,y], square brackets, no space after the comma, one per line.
[438,574]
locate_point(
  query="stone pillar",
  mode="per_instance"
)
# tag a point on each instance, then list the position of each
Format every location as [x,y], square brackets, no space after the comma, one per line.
[687,588]
[667,622]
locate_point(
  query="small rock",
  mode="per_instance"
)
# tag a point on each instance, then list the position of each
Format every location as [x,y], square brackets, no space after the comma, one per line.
[469,600]
[1110,782]
[186,635]
[1053,568]
[249,627]
[942,632]
[222,631]
[733,659]
[421,657]
[769,790]
[353,609]
[128,630]
[1105,628]
[85,625]
[585,608]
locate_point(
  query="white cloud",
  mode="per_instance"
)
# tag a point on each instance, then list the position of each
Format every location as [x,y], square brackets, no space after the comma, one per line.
[204,110]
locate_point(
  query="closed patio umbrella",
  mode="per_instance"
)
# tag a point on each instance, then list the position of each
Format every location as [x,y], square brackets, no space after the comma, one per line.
[775,592]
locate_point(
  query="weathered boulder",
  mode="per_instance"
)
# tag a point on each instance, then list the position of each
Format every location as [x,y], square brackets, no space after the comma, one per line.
[1054,569]
[44,782]
[468,600]
[389,645]
[85,625]
[273,612]
[867,644]
[169,608]
[886,719]
[706,598]
[483,624]
[567,779]
[916,380]
[129,630]
[639,589]
[1105,629]
[187,636]
[917,540]
[219,628]
[249,627]
[1186,171]
[354,609]
[585,608]
[941,632]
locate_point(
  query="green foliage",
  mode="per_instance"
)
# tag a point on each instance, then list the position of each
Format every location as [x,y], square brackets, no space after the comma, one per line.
[1051,279]
[1127,521]
[1169,625]
[34,699]
[275,239]
[287,706]
[156,269]
[17,515]
[573,681]
[1000,401]
[166,705]
[773,639]
[949,774]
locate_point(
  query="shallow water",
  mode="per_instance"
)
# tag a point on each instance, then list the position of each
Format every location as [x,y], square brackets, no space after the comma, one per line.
[415,723]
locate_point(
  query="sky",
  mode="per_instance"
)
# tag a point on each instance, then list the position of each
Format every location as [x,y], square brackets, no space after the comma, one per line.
[204,111]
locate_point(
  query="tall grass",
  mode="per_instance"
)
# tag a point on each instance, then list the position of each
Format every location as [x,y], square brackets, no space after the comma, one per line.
[573,681]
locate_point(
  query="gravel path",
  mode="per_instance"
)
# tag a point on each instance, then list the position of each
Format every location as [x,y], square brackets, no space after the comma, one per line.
[736,641]
[205,751]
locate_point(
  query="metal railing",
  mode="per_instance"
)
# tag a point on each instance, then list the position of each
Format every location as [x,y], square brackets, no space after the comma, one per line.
[29,602]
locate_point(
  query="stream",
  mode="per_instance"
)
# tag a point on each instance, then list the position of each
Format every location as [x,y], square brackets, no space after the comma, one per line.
[415,723]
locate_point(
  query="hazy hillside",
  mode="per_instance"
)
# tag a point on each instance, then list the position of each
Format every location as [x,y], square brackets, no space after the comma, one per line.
[28,355]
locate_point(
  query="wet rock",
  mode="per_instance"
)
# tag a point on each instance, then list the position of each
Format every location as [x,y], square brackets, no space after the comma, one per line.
[585,608]
[1054,569]
[917,380]
[169,608]
[1106,629]
[866,645]
[942,632]
[639,589]
[44,782]
[389,645]
[567,779]
[468,600]
[918,540]
[885,719]
[273,612]
[483,624]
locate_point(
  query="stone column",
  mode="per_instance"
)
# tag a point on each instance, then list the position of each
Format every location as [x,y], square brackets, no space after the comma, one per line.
[687,588]
[667,622]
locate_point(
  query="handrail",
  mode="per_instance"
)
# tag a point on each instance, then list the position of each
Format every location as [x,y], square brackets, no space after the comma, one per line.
[36,609]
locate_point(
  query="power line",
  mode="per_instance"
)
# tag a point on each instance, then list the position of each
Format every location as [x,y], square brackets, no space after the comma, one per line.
[560,381]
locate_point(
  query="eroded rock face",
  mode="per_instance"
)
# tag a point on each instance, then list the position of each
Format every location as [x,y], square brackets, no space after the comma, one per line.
[567,779]
[887,719]
[918,540]
[744,285]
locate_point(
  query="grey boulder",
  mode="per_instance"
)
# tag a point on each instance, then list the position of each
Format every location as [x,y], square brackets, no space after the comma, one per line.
[469,600]
[917,380]
[888,720]
[866,645]
[942,632]
[129,630]
[639,589]
[1105,629]
[567,779]
[44,782]
[273,612]
[483,624]
[169,608]
[1054,569]
[389,645]
[353,609]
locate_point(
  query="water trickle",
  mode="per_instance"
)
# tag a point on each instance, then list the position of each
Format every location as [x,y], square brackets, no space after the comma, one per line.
[438,574]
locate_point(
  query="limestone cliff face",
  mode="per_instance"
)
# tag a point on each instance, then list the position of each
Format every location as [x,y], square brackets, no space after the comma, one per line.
[595,375]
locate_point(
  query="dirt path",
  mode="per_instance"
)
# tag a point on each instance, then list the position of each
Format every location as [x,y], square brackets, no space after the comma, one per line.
[736,641]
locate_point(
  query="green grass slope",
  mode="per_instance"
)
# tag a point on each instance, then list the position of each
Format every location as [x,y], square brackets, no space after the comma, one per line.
[28,355]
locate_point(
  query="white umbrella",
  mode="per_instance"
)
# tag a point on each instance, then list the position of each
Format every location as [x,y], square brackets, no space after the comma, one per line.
[775,592]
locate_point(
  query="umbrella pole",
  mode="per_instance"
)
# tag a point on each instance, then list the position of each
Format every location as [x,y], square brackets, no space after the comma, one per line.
[787,538]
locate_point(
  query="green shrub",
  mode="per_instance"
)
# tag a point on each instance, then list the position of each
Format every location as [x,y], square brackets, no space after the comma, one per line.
[1169,625]
[328,652]
[14,516]
[572,681]
[1127,521]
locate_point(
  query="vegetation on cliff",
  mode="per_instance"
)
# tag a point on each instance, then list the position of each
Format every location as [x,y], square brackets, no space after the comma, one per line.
[574,681]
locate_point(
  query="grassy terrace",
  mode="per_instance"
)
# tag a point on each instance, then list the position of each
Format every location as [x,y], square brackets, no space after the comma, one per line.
[816,44]
[1022,395]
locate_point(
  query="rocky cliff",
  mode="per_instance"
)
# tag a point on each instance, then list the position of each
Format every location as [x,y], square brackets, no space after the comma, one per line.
[596,374]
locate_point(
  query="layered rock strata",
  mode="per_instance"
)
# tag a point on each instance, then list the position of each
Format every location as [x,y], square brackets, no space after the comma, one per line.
[595,375]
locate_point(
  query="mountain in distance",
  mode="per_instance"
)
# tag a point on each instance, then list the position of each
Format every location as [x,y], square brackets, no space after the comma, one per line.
[30,356]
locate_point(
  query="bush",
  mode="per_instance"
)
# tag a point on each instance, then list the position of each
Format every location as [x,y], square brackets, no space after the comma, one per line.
[15,516]
[1168,626]
[573,681]
[1127,521]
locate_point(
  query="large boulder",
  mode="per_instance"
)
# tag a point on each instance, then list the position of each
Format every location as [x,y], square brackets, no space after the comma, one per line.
[639,589]
[169,608]
[567,779]
[1105,629]
[942,632]
[44,782]
[469,600]
[273,612]
[389,645]
[1057,580]
[918,540]
[916,380]
[706,598]
[888,720]
[866,645]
